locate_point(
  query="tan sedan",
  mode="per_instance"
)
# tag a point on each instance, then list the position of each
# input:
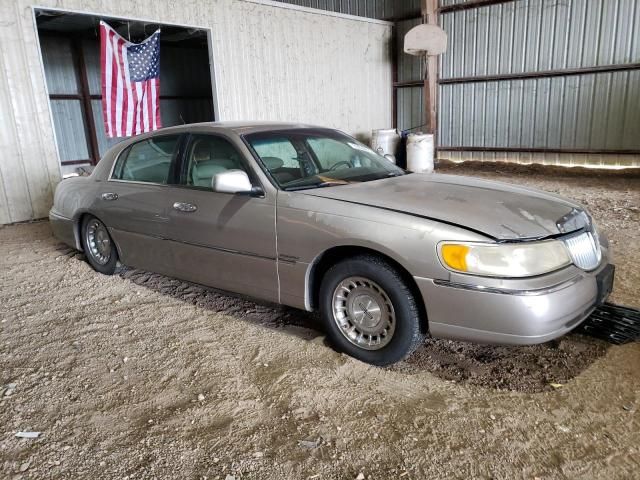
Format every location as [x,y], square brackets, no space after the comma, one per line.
[310,217]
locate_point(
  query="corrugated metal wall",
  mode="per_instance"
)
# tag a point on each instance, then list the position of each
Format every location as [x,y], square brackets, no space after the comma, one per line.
[591,111]
[584,112]
[381,9]
[271,61]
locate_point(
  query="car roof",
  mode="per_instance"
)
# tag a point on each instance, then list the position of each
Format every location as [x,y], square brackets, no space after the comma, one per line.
[239,127]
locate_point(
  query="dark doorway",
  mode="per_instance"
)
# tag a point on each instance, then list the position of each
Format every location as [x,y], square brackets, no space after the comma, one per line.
[70,47]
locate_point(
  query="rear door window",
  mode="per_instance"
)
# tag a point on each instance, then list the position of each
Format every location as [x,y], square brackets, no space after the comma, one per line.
[148,161]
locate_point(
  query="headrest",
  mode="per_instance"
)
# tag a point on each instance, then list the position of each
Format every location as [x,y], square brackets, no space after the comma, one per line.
[201,152]
[273,163]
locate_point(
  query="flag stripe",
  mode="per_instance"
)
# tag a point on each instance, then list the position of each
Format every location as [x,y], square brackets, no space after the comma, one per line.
[107,81]
[154,99]
[125,97]
[134,119]
[145,106]
[138,109]
[114,84]
[117,42]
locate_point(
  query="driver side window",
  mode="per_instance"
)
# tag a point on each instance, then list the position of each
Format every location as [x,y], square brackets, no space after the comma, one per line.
[207,156]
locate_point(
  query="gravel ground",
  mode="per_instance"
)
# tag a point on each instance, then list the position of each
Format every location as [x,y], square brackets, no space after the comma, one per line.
[142,376]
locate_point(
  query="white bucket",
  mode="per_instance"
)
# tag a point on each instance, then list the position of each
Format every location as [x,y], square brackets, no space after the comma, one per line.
[385,141]
[420,153]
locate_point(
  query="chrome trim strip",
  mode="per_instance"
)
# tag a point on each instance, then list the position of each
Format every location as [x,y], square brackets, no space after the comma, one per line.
[135,182]
[224,250]
[194,244]
[508,291]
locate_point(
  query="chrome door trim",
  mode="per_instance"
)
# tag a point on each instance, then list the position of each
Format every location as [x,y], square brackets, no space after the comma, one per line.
[224,250]
[195,244]
[136,182]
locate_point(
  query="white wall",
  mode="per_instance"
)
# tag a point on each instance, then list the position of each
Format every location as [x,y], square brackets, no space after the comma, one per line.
[272,61]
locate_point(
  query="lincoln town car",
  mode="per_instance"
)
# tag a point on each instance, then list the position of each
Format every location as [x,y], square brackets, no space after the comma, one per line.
[312,218]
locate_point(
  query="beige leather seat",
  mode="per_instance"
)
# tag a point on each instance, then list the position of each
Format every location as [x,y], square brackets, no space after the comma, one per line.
[204,166]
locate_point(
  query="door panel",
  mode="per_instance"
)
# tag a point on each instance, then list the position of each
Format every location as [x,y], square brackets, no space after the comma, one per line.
[133,203]
[137,219]
[228,242]
[222,240]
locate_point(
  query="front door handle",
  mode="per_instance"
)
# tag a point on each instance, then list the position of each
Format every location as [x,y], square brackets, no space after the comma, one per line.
[185,207]
[109,196]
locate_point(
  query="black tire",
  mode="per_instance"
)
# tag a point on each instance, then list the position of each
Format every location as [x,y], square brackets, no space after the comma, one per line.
[109,267]
[407,335]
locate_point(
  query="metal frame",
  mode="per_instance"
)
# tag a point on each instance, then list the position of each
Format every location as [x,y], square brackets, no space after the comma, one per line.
[576,151]
[77,96]
[471,4]
[542,74]
[320,11]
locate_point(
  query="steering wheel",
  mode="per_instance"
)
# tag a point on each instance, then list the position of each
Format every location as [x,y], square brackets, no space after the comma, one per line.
[341,162]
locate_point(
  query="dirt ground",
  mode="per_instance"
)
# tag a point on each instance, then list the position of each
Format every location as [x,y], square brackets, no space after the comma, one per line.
[141,376]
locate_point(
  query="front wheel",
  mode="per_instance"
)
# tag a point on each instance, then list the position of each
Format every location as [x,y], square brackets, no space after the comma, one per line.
[369,312]
[98,246]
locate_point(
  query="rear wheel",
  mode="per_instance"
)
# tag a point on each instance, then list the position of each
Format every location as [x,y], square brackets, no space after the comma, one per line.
[98,246]
[369,312]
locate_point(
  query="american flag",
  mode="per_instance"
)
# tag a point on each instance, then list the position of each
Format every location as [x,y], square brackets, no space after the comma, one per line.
[130,83]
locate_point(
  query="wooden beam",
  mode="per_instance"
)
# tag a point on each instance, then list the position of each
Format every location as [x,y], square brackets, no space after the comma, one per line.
[85,96]
[429,9]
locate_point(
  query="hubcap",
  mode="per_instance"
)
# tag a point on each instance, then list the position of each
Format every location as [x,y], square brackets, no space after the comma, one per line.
[364,313]
[98,242]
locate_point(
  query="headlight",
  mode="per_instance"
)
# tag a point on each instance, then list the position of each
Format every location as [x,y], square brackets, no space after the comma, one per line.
[506,259]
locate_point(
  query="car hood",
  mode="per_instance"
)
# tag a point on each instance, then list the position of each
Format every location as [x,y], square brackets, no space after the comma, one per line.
[495,209]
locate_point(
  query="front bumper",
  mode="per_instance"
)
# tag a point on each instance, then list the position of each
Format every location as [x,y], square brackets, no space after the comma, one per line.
[513,317]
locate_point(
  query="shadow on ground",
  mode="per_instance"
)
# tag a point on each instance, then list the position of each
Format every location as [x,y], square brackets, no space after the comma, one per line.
[527,369]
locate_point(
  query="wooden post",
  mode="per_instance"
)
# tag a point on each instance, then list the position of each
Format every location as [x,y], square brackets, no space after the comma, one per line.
[85,94]
[429,9]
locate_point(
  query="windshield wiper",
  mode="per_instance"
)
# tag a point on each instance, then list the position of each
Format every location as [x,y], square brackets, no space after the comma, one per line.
[316,185]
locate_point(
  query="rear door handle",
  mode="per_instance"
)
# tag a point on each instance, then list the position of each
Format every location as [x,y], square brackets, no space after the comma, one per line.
[109,196]
[185,207]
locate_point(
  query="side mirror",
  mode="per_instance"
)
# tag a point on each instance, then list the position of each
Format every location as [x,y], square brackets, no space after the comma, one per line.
[233,181]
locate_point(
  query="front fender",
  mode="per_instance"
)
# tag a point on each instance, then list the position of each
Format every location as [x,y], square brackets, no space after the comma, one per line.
[308,227]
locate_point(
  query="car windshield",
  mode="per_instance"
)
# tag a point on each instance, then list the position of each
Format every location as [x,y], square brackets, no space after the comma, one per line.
[313,158]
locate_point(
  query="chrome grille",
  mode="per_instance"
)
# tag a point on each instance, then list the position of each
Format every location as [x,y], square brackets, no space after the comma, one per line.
[584,250]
